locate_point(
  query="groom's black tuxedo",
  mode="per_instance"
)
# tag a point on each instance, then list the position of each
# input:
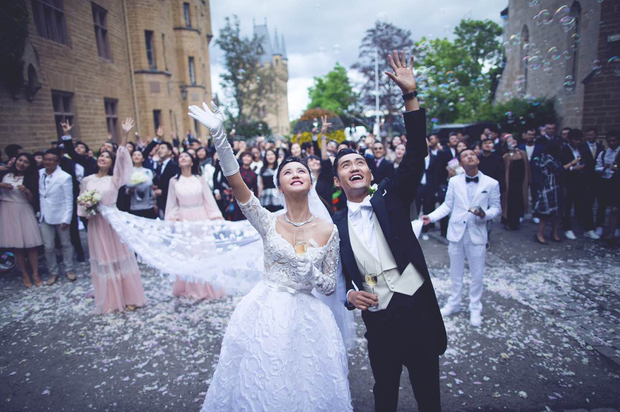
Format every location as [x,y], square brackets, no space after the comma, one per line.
[410,329]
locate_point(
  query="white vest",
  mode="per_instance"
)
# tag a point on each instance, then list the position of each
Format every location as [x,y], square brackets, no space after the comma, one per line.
[389,280]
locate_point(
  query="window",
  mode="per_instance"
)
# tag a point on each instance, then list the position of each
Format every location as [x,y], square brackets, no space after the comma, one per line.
[186,14]
[49,17]
[156,119]
[150,49]
[111,116]
[196,125]
[63,109]
[100,17]
[192,72]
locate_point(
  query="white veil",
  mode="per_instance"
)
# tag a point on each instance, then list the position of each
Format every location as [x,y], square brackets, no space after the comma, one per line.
[226,254]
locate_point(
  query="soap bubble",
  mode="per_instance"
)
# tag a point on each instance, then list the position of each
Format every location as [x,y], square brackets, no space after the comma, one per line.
[547,67]
[567,23]
[508,114]
[7,261]
[240,74]
[434,120]
[515,40]
[317,7]
[522,120]
[569,83]
[534,62]
[554,53]
[614,65]
[562,12]
[321,49]
[533,3]
[597,67]
[451,106]
[567,54]
[545,17]
[461,98]
[575,38]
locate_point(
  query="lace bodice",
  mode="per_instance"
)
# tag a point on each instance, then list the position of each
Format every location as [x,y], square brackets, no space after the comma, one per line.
[283,267]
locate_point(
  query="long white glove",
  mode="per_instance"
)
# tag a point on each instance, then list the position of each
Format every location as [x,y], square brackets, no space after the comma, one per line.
[214,121]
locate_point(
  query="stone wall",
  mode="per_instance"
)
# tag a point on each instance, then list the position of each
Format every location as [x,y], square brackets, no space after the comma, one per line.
[549,79]
[77,68]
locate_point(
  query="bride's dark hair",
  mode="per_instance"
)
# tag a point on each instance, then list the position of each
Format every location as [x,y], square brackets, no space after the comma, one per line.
[288,160]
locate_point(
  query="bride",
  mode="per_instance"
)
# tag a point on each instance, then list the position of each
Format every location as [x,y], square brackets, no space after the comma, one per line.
[282,350]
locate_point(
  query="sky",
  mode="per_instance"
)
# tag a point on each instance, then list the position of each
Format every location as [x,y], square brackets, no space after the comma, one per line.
[320,33]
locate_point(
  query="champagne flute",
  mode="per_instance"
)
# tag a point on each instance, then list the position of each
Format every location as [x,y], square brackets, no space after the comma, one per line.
[371,280]
[300,245]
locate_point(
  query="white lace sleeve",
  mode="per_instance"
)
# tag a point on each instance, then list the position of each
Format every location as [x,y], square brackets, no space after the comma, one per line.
[258,216]
[324,280]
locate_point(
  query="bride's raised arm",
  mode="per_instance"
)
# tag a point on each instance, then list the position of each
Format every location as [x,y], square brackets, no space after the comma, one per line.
[214,121]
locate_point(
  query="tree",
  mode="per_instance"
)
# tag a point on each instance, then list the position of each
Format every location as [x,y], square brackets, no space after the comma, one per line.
[456,78]
[332,91]
[384,38]
[246,82]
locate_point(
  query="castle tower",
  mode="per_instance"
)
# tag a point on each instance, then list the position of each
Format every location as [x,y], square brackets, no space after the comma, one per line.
[273,54]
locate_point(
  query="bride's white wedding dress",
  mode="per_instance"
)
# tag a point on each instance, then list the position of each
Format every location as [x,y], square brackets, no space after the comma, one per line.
[282,350]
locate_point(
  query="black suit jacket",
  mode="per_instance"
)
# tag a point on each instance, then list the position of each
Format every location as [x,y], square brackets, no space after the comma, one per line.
[391,203]
[325,181]
[444,158]
[88,163]
[566,156]
[384,171]
[588,160]
[162,180]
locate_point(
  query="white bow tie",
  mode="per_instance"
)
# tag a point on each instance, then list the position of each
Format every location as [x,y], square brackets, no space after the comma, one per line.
[356,208]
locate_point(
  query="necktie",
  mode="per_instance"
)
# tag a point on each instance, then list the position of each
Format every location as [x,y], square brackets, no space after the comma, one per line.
[593,150]
[471,179]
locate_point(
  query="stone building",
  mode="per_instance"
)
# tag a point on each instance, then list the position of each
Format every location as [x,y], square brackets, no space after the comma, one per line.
[274,111]
[97,62]
[565,50]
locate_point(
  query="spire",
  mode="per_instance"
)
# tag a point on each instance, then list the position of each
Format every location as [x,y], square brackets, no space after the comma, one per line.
[276,44]
[283,46]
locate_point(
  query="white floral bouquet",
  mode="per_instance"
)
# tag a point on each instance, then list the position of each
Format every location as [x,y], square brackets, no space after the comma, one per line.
[89,200]
[137,178]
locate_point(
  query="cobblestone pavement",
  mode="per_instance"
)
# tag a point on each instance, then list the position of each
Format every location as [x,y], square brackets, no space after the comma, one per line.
[549,341]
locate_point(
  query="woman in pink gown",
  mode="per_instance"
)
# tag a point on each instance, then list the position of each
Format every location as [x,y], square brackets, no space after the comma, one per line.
[116,277]
[189,198]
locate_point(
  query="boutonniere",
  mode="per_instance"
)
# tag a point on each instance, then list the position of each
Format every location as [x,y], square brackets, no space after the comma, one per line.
[372,189]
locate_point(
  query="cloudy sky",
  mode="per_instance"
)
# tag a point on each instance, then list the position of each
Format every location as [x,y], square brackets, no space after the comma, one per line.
[320,33]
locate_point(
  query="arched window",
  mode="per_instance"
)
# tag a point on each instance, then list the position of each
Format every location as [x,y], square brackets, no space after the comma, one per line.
[522,79]
[575,12]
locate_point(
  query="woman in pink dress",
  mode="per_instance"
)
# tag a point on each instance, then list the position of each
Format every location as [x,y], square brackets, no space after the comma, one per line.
[19,201]
[189,198]
[116,277]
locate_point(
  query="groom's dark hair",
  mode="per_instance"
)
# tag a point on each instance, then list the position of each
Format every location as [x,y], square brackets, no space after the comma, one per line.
[341,154]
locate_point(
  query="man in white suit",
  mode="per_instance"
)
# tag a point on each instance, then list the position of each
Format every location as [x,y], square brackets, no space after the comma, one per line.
[471,201]
[56,195]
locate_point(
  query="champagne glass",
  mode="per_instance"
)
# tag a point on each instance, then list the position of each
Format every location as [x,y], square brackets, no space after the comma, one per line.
[371,280]
[300,245]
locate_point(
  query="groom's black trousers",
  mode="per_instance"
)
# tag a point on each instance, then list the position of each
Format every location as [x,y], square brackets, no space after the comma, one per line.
[403,334]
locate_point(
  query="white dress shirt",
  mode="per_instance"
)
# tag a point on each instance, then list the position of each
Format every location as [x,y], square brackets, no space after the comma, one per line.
[471,188]
[361,217]
[164,164]
[529,150]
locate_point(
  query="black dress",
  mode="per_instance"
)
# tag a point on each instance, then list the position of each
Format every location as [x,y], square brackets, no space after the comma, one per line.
[515,193]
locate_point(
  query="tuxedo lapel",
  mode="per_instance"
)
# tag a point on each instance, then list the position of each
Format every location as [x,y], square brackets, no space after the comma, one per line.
[346,252]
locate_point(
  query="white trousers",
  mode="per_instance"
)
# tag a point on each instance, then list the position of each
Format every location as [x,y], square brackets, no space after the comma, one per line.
[476,256]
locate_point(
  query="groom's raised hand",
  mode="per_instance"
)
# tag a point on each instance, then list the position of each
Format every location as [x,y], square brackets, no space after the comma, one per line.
[403,77]
[363,300]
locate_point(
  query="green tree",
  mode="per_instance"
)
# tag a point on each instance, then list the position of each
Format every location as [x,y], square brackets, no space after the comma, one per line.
[456,79]
[246,82]
[332,91]
[384,38]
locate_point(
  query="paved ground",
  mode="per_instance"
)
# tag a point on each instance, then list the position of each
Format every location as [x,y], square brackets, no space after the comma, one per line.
[550,339]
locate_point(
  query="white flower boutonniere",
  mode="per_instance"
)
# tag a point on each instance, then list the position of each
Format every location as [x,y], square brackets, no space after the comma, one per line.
[372,189]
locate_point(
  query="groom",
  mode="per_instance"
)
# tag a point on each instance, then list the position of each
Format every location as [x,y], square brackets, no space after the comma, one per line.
[383,264]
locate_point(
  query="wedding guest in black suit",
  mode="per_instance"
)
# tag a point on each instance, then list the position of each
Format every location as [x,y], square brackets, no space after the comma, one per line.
[447,154]
[166,169]
[575,191]
[383,167]
[533,151]
[590,150]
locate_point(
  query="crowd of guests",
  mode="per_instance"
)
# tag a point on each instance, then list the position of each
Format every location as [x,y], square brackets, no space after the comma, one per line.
[555,177]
